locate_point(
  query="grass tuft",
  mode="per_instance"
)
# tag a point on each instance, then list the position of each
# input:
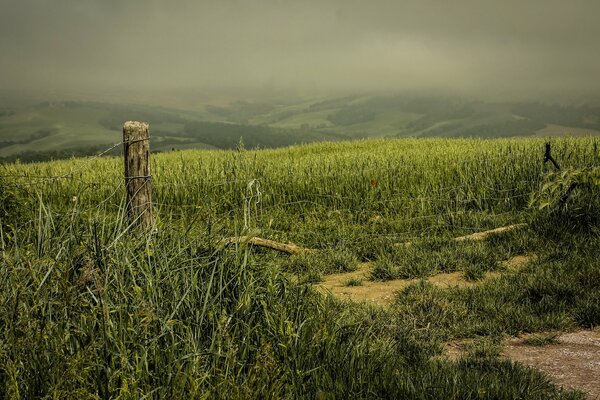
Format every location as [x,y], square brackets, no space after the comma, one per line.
[541,339]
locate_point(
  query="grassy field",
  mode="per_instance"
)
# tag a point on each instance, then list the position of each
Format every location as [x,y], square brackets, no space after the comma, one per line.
[91,309]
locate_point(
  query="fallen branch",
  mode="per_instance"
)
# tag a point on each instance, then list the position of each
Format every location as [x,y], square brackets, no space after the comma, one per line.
[479,235]
[485,234]
[289,248]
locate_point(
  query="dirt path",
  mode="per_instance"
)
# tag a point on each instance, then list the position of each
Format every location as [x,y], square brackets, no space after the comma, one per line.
[383,292]
[573,362]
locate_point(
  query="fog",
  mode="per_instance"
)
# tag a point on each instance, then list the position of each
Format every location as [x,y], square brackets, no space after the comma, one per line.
[534,48]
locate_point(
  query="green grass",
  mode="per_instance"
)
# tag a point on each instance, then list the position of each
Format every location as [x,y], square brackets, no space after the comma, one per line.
[315,119]
[429,258]
[553,293]
[354,282]
[178,318]
[90,309]
[387,123]
[311,266]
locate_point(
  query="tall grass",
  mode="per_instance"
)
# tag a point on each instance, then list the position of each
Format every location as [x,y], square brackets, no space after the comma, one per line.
[86,314]
[419,186]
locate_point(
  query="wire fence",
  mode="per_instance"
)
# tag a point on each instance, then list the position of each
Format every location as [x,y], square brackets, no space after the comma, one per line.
[256,204]
[69,175]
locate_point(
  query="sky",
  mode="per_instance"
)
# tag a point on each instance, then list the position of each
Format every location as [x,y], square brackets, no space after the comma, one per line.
[472,47]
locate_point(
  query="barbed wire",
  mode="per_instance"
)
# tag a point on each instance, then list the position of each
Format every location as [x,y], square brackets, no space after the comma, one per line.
[257,198]
[86,163]
[278,200]
[476,157]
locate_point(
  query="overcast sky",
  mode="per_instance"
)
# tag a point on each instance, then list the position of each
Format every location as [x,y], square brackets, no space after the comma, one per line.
[535,47]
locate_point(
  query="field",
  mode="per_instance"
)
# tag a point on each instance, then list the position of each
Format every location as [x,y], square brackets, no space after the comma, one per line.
[92,308]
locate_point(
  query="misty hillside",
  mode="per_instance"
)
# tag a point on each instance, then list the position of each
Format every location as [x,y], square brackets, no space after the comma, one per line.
[397,116]
[45,130]
[51,130]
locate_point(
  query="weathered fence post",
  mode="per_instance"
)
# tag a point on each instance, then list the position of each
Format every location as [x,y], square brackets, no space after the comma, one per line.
[138,180]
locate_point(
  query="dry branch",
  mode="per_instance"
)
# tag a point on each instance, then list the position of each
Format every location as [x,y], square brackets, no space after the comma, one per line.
[485,234]
[479,235]
[289,248]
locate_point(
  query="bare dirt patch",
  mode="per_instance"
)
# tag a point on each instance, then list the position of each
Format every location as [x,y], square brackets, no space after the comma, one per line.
[383,292]
[573,362]
[369,291]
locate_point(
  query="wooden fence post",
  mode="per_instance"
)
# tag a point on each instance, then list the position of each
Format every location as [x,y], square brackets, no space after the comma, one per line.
[138,180]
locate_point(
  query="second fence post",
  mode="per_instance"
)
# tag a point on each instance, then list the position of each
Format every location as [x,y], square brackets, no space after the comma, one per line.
[138,179]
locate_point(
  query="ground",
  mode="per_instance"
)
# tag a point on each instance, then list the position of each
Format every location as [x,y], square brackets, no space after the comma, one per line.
[571,359]
[383,292]
[573,362]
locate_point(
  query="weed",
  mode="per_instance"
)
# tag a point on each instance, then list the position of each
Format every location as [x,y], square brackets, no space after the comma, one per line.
[322,261]
[541,339]
[485,347]
[473,273]
[354,282]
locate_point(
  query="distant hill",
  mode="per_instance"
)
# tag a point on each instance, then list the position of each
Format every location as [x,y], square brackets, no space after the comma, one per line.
[398,116]
[50,130]
[43,130]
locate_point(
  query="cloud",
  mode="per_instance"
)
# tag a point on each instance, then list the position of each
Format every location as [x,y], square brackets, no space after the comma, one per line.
[475,47]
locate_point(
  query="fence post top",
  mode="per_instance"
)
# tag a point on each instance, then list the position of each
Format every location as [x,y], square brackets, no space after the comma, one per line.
[135,125]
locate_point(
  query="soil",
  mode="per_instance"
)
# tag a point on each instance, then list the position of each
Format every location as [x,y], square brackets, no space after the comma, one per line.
[573,362]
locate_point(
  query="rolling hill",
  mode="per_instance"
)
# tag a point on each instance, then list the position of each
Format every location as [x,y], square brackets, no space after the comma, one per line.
[44,130]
